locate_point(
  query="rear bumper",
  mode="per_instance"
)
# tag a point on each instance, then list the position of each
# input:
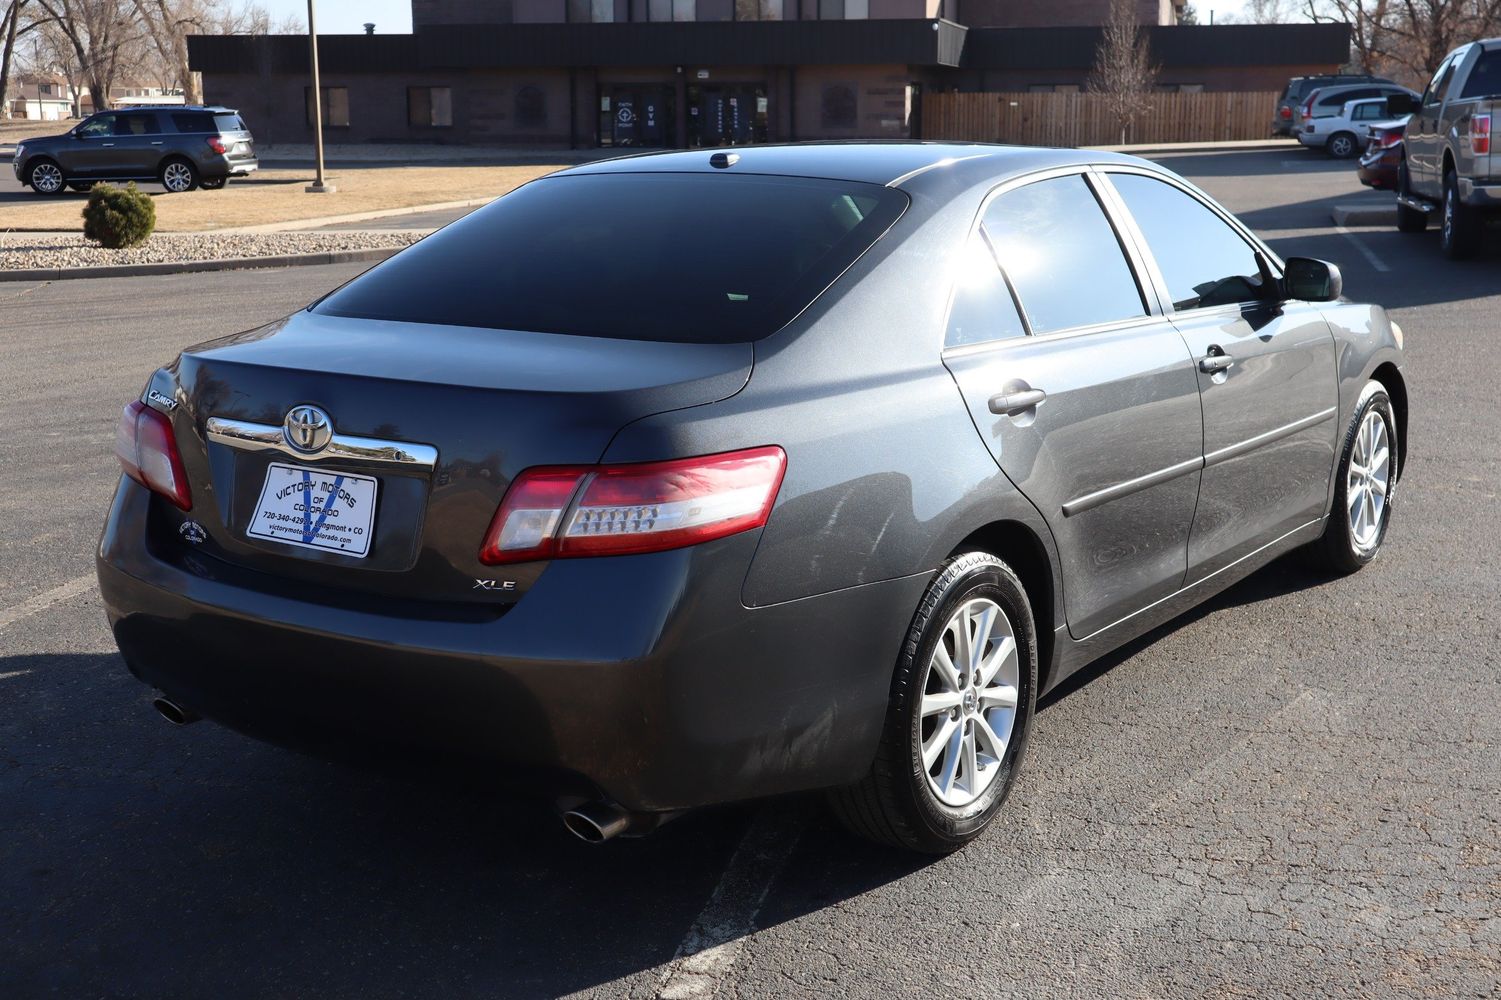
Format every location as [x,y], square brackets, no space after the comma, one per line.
[1379,171]
[642,677]
[1312,140]
[1485,196]
[243,168]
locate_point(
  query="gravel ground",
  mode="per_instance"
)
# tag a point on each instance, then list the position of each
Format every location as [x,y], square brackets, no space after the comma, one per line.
[28,250]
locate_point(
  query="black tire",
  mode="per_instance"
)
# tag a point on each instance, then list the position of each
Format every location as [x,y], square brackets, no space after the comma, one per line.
[46,176]
[1460,227]
[1337,551]
[213,183]
[1342,145]
[81,186]
[1409,220]
[893,804]
[178,176]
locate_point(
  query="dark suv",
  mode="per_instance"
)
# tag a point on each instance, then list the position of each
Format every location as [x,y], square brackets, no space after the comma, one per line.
[179,147]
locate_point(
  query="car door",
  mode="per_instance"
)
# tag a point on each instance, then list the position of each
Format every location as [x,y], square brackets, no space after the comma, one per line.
[92,146]
[1090,405]
[138,145]
[1265,369]
[1423,154]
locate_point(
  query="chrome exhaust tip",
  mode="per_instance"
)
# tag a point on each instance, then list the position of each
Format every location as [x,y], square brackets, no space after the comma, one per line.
[173,712]
[596,822]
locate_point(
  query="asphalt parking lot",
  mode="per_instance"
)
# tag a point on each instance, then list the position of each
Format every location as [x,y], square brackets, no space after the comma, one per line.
[1295,790]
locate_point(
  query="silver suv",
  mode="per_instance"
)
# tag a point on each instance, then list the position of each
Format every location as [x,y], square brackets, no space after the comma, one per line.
[179,147]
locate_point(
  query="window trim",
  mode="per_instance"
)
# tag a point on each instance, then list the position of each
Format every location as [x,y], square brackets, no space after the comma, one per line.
[1128,221]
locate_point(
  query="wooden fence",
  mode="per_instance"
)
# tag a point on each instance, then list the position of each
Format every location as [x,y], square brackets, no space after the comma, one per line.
[1083,120]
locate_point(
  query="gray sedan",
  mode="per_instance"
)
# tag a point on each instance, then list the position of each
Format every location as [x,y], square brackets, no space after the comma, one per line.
[688,478]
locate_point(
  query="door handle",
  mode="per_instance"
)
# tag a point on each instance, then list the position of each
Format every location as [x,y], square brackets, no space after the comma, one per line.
[1012,404]
[156,142]
[106,144]
[1216,361]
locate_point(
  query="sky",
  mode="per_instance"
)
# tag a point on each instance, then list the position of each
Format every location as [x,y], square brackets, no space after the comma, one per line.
[337,17]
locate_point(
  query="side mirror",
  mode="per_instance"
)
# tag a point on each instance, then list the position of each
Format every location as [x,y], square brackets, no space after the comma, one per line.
[1398,105]
[1312,280]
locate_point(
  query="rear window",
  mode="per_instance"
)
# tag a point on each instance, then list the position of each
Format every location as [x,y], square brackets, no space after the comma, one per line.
[229,123]
[187,121]
[687,258]
[1485,78]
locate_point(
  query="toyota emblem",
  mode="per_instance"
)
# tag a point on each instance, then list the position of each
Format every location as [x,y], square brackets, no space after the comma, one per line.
[307,429]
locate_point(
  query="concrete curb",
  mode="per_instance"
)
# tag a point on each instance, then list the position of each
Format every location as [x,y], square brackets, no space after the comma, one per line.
[194,266]
[1364,215]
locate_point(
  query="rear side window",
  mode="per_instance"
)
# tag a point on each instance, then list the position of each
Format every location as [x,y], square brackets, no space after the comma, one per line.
[136,123]
[1338,100]
[1485,78]
[229,123]
[983,309]
[1204,262]
[187,121]
[687,258]
[1062,255]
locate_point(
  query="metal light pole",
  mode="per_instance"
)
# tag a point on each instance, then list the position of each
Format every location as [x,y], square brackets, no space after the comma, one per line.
[318,186]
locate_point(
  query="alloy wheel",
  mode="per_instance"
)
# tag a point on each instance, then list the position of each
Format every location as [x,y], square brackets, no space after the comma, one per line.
[47,178]
[968,709]
[1341,147]
[1368,482]
[178,177]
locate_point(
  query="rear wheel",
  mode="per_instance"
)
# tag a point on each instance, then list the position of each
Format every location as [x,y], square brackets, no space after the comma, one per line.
[1342,145]
[46,177]
[961,709]
[179,176]
[1460,235]
[1409,220]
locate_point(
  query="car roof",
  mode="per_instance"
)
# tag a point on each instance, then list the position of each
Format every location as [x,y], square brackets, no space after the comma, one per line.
[214,108]
[888,163]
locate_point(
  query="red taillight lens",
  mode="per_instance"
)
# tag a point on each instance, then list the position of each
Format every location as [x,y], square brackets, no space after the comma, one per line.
[1287,112]
[1390,139]
[147,451]
[1480,134]
[623,509]
[218,145]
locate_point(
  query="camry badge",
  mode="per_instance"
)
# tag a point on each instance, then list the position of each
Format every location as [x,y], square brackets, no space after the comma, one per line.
[307,429]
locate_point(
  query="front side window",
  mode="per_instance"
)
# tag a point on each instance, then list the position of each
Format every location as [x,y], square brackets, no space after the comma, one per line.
[1434,94]
[1203,260]
[983,309]
[1062,255]
[335,106]
[430,107]
[98,126]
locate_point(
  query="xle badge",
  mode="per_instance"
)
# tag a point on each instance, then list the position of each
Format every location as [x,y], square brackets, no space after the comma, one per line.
[494,585]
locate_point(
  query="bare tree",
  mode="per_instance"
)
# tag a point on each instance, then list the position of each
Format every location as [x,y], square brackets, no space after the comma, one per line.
[1123,72]
[168,23]
[15,24]
[101,34]
[1407,37]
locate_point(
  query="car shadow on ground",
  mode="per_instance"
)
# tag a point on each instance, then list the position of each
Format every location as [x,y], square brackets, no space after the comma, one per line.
[147,860]
[1417,273]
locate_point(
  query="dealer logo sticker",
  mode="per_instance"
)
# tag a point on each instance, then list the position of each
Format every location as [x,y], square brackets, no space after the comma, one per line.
[191,532]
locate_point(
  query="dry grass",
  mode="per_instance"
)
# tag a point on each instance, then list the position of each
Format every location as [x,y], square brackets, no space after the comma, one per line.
[278,196]
[14,130]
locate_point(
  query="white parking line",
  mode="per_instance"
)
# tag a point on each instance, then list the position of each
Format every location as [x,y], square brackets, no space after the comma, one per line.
[717,937]
[1365,251]
[42,602]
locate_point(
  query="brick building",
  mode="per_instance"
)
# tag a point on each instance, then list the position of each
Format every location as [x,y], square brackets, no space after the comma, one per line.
[687,73]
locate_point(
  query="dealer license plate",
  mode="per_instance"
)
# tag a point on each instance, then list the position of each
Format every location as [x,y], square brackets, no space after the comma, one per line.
[316,509]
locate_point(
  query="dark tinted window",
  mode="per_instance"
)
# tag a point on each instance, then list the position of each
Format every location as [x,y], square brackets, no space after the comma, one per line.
[1204,261]
[671,257]
[99,125]
[1434,94]
[190,121]
[1485,78]
[1062,255]
[229,123]
[1334,101]
[983,309]
[136,123]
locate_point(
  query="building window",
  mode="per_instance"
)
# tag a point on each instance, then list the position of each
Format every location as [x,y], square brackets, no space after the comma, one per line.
[335,106]
[856,10]
[430,107]
[604,11]
[44,88]
[831,10]
[684,10]
[839,106]
[531,107]
[758,10]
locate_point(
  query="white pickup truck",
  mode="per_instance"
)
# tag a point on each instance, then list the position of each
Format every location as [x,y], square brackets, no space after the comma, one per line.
[1448,165]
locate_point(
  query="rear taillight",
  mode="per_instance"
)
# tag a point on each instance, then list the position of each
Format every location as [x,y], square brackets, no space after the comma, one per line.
[1389,139]
[1480,134]
[607,510]
[1287,112]
[218,145]
[147,451]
